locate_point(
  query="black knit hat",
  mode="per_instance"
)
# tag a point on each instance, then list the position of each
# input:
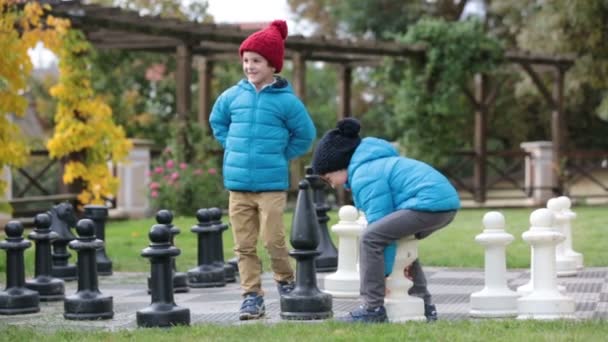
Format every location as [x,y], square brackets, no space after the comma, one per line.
[336,147]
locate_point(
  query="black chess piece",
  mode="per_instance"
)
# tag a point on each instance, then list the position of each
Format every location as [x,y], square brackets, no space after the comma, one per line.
[16,298]
[207,273]
[162,312]
[180,279]
[48,287]
[327,261]
[87,303]
[305,301]
[216,220]
[62,219]
[99,215]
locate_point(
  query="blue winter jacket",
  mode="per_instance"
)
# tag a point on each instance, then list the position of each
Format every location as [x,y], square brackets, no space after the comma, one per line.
[260,133]
[383,182]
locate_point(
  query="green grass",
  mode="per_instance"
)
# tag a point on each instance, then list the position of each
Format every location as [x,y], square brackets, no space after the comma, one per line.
[453,331]
[452,246]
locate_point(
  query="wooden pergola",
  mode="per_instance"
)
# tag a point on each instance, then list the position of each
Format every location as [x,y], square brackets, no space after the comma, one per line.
[117,28]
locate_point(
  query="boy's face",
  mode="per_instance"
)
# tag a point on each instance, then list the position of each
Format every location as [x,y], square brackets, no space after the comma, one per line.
[256,69]
[336,178]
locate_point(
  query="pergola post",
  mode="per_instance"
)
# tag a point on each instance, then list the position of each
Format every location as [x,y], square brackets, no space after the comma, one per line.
[183,80]
[205,74]
[558,127]
[481,111]
[344,92]
[299,86]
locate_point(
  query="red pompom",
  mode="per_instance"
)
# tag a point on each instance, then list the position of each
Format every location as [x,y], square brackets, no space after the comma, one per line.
[281,25]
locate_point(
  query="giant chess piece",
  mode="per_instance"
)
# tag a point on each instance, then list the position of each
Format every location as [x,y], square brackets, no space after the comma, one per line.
[495,299]
[16,298]
[216,220]
[564,266]
[327,261]
[545,301]
[87,303]
[180,279]
[207,273]
[99,215]
[49,288]
[162,312]
[305,301]
[400,306]
[346,281]
[62,218]
[569,216]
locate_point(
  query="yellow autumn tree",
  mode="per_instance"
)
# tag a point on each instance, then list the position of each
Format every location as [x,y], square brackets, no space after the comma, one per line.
[85,133]
[21,28]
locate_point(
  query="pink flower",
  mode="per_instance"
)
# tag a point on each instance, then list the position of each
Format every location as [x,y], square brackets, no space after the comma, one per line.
[154,186]
[198,172]
[170,164]
[154,194]
[174,175]
[212,171]
[183,166]
[159,170]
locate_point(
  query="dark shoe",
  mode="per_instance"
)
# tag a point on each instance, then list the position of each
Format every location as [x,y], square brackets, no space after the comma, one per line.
[430,312]
[285,287]
[365,315]
[252,307]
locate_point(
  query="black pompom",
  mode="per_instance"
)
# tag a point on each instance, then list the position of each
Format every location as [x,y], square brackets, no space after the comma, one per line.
[349,127]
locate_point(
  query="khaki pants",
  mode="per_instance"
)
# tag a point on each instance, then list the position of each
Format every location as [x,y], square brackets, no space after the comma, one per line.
[252,214]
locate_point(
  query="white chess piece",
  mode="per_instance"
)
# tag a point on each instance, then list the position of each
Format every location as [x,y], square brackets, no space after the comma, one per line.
[495,299]
[400,306]
[564,265]
[345,282]
[568,251]
[545,301]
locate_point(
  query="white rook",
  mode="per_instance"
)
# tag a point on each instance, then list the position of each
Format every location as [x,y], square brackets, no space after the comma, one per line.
[345,282]
[495,299]
[568,251]
[400,306]
[564,266]
[545,301]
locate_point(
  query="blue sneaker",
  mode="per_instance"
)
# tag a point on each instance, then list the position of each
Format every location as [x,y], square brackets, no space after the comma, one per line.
[285,287]
[430,312]
[253,307]
[365,315]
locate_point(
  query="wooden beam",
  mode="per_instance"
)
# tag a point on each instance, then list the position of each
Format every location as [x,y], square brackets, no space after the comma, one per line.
[558,128]
[479,170]
[539,83]
[205,74]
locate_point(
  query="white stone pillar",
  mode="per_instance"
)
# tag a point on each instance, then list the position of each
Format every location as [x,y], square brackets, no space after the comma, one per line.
[539,174]
[400,306]
[545,301]
[495,299]
[565,266]
[569,216]
[134,178]
[345,282]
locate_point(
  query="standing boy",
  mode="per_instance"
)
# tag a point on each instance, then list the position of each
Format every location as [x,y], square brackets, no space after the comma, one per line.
[399,196]
[261,125]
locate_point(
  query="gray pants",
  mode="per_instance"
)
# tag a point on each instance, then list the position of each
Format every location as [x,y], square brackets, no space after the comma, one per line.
[386,230]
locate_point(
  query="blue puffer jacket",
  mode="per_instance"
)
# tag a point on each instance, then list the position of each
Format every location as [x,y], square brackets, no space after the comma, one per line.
[383,182]
[260,133]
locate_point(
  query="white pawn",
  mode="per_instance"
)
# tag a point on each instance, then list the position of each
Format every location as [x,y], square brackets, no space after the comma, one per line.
[545,301]
[564,266]
[495,299]
[345,282]
[568,251]
[400,306]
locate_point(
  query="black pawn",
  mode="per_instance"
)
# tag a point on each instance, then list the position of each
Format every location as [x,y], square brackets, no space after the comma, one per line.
[327,261]
[49,288]
[87,303]
[16,298]
[99,215]
[207,273]
[180,279]
[306,301]
[162,312]
[216,220]
[62,218]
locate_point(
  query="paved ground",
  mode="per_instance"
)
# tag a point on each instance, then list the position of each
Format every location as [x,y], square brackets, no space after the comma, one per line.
[450,287]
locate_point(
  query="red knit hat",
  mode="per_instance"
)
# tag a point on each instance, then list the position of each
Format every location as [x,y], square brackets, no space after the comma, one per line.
[269,43]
